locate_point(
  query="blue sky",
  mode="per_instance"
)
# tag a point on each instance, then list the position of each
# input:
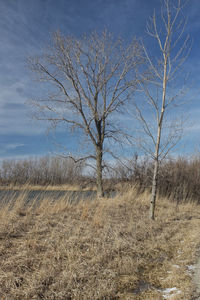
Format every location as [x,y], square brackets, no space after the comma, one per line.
[25,29]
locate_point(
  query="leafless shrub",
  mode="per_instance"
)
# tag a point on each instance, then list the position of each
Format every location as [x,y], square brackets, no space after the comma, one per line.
[41,171]
[179,178]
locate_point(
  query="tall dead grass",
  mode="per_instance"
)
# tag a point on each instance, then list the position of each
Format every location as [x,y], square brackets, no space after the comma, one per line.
[106,249]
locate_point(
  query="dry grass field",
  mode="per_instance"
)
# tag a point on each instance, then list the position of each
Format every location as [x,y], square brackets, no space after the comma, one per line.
[105,249]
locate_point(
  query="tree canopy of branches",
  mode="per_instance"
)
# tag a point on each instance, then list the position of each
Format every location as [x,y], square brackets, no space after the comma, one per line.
[161,129]
[93,78]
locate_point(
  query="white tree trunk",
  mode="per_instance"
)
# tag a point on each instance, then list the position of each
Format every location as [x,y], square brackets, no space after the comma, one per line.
[157,150]
[154,191]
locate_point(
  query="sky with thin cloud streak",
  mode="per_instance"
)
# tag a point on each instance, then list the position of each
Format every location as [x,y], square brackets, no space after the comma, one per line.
[25,30]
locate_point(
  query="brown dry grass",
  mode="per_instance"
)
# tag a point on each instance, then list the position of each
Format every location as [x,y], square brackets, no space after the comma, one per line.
[106,249]
[61,187]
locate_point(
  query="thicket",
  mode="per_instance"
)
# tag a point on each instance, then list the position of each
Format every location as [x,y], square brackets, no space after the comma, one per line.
[179,179]
[41,171]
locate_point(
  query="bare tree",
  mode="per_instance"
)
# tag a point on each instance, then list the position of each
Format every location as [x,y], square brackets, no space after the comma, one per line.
[161,129]
[93,78]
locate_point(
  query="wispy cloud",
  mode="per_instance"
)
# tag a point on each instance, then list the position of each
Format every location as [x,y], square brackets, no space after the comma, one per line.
[13,146]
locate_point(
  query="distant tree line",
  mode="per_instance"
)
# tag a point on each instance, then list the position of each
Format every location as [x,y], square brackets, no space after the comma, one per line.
[41,171]
[179,179]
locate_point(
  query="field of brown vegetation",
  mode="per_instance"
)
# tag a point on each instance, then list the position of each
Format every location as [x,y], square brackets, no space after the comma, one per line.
[104,249]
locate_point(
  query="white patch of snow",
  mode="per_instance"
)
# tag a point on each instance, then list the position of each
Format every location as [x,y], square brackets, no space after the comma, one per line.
[170,292]
[176,266]
[191,268]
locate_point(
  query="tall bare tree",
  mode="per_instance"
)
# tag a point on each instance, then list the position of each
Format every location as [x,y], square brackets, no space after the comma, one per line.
[93,78]
[161,129]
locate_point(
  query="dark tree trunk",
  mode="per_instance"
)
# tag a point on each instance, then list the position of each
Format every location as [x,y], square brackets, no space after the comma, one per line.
[99,178]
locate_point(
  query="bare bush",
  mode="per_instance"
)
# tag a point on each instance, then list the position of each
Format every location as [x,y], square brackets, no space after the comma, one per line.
[41,171]
[179,178]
